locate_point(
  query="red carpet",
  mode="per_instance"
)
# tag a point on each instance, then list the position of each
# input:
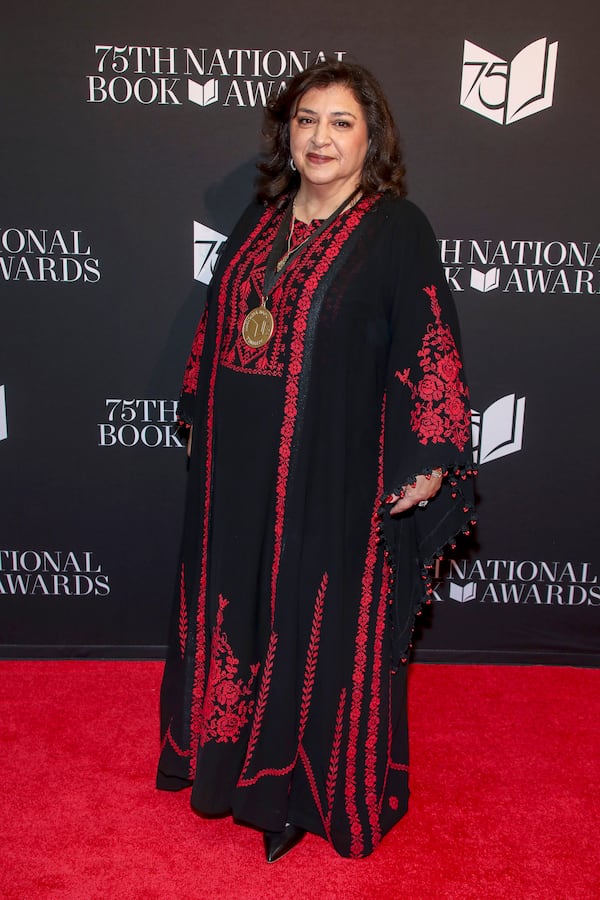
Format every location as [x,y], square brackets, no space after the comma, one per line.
[505,803]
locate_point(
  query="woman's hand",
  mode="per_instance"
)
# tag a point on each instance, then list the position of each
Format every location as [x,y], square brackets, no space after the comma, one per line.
[422,490]
[189,441]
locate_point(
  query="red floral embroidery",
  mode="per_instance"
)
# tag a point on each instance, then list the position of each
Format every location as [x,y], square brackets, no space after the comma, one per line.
[229,701]
[441,411]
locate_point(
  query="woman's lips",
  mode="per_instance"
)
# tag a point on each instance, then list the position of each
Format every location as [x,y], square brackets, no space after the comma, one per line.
[318,159]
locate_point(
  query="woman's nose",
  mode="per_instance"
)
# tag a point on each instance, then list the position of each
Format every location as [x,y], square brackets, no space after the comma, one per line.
[321,134]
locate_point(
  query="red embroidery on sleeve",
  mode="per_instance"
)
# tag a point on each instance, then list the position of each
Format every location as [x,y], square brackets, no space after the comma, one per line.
[441,411]
[190,377]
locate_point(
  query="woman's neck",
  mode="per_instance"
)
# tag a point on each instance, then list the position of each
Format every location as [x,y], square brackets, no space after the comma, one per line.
[319,202]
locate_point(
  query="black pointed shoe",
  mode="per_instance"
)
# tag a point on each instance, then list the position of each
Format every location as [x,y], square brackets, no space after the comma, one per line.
[278,843]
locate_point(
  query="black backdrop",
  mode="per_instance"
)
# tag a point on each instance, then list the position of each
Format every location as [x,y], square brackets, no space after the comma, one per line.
[107,166]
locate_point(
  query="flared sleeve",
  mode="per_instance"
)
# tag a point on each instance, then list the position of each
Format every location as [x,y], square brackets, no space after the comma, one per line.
[185,408]
[427,421]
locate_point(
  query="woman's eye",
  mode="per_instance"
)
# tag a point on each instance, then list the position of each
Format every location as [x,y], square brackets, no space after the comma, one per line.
[341,123]
[304,120]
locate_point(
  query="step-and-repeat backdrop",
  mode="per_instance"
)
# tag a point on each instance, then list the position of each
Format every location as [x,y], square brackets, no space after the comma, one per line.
[130,136]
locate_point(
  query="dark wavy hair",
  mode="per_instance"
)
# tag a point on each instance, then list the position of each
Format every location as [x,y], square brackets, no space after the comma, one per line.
[383,169]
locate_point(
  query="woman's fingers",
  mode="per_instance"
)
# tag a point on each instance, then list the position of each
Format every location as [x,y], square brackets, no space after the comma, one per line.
[422,490]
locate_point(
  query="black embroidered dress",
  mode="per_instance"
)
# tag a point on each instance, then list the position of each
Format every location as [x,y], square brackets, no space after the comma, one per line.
[284,694]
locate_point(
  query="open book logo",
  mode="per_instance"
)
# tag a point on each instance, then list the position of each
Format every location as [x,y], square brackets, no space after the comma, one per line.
[485,281]
[207,244]
[203,94]
[498,431]
[3,425]
[508,91]
[462,593]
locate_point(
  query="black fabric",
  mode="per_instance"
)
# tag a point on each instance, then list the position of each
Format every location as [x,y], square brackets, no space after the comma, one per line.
[284,699]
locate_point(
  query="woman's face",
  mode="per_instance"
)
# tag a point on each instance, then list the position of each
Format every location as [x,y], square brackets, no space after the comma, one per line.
[329,137]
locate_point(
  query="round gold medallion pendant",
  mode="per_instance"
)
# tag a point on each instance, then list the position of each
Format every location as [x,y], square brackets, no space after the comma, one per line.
[258,327]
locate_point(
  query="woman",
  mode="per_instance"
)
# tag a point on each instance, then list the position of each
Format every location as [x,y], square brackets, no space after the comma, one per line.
[328,462]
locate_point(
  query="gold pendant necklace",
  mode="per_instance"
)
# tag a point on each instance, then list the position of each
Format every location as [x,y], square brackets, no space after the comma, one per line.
[258,326]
